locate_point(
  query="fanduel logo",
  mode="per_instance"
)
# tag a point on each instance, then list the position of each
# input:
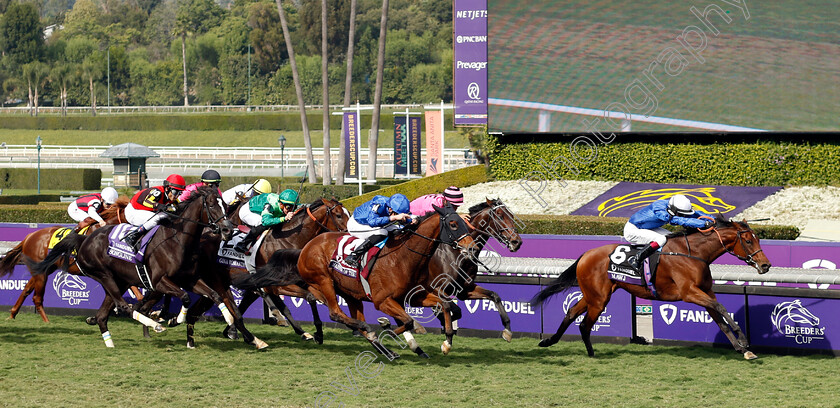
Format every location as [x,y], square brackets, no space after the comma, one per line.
[478,66]
[15,284]
[510,307]
[668,313]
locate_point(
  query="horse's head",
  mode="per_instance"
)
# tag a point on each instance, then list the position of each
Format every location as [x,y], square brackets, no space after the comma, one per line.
[453,229]
[739,240]
[335,215]
[205,206]
[494,218]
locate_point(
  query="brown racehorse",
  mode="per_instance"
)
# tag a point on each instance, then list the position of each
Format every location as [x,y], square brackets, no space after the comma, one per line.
[170,261]
[683,274]
[401,264]
[34,246]
[322,215]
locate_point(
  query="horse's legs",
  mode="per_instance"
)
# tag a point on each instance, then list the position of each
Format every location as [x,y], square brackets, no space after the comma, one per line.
[115,291]
[593,311]
[31,285]
[168,287]
[480,293]
[277,308]
[722,318]
[239,323]
[197,309]
[286,316]
[102,320]
[572,314]
[145,305]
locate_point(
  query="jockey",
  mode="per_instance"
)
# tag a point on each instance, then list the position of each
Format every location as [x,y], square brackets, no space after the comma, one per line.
[232,196]
[645,226]
[90,205]
[373,221]
[265,211]
[208,178]
[423,205]
[148,206]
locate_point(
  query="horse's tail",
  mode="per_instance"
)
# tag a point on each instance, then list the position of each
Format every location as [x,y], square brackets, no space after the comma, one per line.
[12,258]
[280,270]
[566,280]
[65,247]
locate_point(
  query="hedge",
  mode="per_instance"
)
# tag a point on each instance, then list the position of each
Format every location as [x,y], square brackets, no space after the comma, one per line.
[51,179]
[760,163]
[433,184]
[590,225]
[209,121]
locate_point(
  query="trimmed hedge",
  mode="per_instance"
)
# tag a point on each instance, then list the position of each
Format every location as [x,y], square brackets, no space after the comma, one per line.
[209,121]
[29,199]
[590,225]
[40,214]
[51,179]
[740,164]
[433,184]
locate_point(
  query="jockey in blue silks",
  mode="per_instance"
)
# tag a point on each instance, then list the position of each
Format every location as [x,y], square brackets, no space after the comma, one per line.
[373,221]
[645,226]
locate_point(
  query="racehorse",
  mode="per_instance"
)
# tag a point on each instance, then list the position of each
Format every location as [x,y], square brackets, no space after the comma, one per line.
[401,265]
[322,215]
[683,274]
[35,246]
[170,259]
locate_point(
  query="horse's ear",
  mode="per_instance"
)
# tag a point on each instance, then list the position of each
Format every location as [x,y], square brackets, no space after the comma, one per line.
[489,201]
[437,209]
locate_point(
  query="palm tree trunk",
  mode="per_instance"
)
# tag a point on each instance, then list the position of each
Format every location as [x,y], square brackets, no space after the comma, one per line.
[373,139]
[36,101]
[326,173]
[184,59]
[310,161]
[92,98]
[348,84]
[29,84]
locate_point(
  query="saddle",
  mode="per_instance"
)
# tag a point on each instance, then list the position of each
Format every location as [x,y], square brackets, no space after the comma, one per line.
[120,250]
[346,245]
[620,269]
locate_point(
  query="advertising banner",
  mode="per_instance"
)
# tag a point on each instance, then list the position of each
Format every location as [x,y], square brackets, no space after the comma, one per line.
[351,148]
[434,143]
[794,322]
[400,145]
[689,322]
[482,314]
[624,199]
[470,48]
[615,321]
[414,149]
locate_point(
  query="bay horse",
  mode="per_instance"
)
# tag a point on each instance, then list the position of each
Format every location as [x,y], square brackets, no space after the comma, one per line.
[683,274]
[322,215]
[35,246]
[170,260]
[401,265]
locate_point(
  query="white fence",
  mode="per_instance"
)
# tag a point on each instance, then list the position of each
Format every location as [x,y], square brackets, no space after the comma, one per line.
[85,110]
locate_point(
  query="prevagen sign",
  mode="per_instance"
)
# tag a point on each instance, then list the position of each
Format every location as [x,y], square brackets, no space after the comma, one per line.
[689,322]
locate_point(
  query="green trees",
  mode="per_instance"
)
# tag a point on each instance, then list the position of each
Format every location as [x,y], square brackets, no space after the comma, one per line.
[21,34]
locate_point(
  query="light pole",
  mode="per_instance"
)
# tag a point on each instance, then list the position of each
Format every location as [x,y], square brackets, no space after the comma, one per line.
[249,74]
[38,143]
[282,141]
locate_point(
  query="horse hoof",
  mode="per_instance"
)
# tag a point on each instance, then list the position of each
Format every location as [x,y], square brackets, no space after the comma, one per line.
[307,337]
[10,318]
[749,355]
[146,332]
[545,343]
[507,335]
[371,336]
[445,347]
[191,345]
[319,338]
[418,329]
[91,320]
[260,344]
[159,329]
[173,323]
[424,355]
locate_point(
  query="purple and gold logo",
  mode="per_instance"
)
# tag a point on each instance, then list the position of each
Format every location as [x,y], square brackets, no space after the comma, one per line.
[702,198]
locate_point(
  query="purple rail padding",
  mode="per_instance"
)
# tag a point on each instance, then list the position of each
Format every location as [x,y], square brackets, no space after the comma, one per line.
[614,321]
[689,322]
[793,322]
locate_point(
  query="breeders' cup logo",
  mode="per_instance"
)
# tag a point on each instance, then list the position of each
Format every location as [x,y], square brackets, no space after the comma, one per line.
[708,202]
[796,322]
[473,90]
[71,288]
[572,299]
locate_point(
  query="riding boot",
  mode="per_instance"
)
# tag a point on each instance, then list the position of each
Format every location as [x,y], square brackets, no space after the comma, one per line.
[637,260]
[133,237]
[354,258]
[243,246]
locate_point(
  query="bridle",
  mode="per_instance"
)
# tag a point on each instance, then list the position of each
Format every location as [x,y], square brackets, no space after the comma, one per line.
[450,240]
[503,231]
[328,214]
[213,224]
[749,258]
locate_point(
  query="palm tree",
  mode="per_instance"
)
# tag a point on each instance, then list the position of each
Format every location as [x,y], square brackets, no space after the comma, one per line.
[35,74]
[348,83]
[310,161]
[373,139]
[62,75]
[91,71]
[326,173]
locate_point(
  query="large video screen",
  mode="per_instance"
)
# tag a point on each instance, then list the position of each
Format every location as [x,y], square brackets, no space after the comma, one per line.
[663,65]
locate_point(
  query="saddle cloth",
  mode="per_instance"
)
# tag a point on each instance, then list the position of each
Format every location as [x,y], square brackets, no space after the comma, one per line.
[620,269]
[120,250]
[346,245]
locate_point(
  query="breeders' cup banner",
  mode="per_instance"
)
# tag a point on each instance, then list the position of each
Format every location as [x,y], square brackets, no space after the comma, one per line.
[795,322]
[624,199]
[614,321]
[470,50]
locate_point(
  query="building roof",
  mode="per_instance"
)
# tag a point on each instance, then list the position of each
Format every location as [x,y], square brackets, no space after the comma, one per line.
[128,150]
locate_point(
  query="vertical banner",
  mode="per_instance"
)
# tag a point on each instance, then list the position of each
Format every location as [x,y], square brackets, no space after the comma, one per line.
[470,86]
[434,137]
[351,148]
[400,145]
[414,146]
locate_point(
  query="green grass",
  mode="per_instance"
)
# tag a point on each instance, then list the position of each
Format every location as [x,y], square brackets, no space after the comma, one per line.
[66,363]
[255,138]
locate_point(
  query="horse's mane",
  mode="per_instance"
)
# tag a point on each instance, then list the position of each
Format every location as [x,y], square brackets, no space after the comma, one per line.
[720,222]
[112,211]
[482,205]
[202,192]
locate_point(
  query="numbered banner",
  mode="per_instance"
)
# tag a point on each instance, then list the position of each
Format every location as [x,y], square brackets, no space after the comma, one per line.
[351,145]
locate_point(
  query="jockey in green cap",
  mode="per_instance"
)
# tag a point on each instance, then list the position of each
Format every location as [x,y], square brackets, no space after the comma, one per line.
[265,211]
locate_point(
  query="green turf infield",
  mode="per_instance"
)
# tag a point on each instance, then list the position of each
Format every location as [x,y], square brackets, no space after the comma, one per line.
[65,363]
